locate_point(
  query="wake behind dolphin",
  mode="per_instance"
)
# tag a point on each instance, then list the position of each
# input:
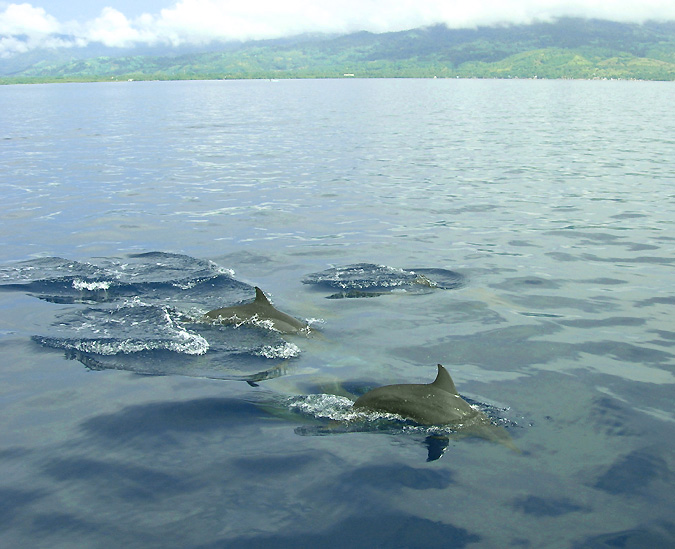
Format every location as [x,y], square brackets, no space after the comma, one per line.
[370,280]
[259,312]
[144,313]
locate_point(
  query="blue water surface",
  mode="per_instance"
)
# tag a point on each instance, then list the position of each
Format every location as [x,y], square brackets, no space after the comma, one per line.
[545,209]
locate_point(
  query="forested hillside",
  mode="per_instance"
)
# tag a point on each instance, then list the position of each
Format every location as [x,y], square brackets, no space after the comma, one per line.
[567,48]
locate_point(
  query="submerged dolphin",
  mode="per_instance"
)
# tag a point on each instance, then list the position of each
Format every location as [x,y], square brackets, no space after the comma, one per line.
[259,312]
[436,403]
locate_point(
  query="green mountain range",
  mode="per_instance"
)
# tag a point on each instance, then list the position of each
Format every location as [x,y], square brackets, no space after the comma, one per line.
[565,48]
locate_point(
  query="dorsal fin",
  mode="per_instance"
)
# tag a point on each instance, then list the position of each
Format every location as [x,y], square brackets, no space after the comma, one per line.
[260,297]
[444,381]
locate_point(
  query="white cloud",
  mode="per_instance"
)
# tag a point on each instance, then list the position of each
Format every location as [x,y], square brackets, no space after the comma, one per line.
[204,20]
[25,19]
[23,26]
[112,28]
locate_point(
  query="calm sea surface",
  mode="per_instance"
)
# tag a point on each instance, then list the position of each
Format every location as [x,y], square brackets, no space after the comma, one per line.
[555,200]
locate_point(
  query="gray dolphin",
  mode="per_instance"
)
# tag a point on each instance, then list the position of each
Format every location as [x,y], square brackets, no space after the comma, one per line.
[259,312]
[436,403]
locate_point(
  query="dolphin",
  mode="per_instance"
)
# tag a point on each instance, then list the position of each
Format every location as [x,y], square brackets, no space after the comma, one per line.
[259,312]
[435,403]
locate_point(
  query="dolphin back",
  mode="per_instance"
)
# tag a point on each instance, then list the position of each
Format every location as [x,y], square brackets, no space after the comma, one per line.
[258,310]
[434,403]
[424,404]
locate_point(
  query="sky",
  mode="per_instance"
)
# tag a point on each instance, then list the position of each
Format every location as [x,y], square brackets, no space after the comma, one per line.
[127,23]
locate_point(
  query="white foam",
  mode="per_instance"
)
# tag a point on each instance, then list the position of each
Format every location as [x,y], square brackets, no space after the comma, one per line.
[337,408]
[191,344]
[90,286]
[287,350]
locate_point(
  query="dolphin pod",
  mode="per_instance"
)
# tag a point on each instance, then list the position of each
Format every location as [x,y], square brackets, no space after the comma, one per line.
[435,403]
[64,281]
[260,311]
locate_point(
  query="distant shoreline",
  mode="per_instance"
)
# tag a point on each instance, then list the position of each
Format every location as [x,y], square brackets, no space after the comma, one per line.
[10,81]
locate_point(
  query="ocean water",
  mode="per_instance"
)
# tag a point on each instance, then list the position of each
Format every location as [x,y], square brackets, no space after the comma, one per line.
[551,204]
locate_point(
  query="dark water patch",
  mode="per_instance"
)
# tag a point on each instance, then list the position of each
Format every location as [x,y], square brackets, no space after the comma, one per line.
[633,473]
[460,312]
[523,243]
[245,257]
[590,239]
[370,280]
[528,282]
[394,477]
[509,348]
[602,281]
[639,247]
[563,256]
[59,529]
[540,315]
[354,294]
[665,300]
[628,215]
[613,418]
[14,501]
[626,352]
[515,347]
[645,259]
[51,524]
[659,534]
[116,480]
[546,507]
[12,453]
[535,301]
[394,530]
[603,322]
[267,466]
[474,208]
[667,338]
[153,422]
[603,238]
